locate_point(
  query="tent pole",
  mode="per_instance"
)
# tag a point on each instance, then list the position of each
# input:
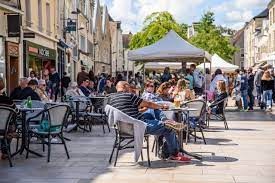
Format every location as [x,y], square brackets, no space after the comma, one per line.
[205,78]
[127,71]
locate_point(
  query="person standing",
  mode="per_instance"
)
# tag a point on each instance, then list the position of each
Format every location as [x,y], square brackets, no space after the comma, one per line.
[65,81]
[81,76]
[190,78]
[250,89]
[166,75]
[244,90]
[267,87]
[101,83]
[91,75]
[55,83]
[257,83]
[198,79]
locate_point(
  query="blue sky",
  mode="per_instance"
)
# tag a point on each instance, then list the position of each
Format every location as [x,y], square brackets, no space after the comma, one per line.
[230,13]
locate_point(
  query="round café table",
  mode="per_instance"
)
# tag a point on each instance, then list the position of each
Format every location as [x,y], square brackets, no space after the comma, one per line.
[25,128]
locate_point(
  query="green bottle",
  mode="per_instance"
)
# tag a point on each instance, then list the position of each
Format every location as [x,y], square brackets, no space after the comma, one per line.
[29,102]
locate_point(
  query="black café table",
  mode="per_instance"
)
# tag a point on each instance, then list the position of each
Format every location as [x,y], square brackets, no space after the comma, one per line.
[25,128]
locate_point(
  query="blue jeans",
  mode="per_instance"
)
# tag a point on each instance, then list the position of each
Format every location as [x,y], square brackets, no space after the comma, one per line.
[259,94]
[156,127]
[244,99]
[267,98]
[152,114]
[251,98]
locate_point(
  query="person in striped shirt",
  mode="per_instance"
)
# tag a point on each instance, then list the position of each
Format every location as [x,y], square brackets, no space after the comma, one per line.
[130,104]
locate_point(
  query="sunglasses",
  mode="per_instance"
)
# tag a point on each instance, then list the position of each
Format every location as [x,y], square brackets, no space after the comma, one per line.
[150,86]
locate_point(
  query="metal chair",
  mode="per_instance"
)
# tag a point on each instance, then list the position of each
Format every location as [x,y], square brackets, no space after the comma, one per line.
[56,117]
[196,118]
[7,115]
[219,115]
[99,114]
[124,139]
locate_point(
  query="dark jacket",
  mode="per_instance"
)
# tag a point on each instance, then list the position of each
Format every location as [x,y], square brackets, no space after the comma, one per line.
[85,91]
[65,81]
[267,85]
[55,79]
[251,81]
[15,94]
[82,76]
[244,83]
[28,92]
[166,77]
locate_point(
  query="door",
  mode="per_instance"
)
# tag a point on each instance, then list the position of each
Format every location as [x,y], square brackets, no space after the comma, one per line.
[14,73]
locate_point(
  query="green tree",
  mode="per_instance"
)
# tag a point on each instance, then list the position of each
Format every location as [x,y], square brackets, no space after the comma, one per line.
[156,26]
[210,38]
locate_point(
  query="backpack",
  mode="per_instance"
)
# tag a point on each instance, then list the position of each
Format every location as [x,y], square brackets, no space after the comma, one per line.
[163,148]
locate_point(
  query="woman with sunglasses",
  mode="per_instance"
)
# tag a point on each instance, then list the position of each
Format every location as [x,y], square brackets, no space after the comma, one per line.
[163,92]
[41,90]
[149,93]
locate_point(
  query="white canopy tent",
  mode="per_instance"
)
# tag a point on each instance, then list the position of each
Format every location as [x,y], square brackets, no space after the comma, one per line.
[171,48]
[218,63]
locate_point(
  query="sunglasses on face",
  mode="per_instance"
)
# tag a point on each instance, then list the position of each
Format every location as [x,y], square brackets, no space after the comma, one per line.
[150,86]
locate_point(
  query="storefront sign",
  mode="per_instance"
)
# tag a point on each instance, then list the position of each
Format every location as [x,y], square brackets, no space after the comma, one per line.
[44,52]
[40,51]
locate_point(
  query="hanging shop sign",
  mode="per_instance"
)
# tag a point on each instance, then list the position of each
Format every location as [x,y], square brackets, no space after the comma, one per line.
[71,26]
[14,23]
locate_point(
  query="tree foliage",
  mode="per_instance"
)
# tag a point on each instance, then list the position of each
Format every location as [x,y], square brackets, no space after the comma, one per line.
[210,38]
[156,26]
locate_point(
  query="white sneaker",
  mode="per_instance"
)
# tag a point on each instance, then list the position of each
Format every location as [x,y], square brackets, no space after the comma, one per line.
[70,127]
[54,140]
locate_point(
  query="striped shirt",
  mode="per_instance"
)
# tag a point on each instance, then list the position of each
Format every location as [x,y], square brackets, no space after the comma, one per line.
[127,103]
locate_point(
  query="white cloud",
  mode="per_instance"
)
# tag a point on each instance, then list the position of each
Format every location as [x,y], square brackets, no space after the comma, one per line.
[238,16]
[237,12]
[133,12]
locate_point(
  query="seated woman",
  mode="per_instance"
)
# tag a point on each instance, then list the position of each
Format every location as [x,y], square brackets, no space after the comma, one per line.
[163,92]
[216,107]
[183,91]
[149,92]
[41,90]
[7,102]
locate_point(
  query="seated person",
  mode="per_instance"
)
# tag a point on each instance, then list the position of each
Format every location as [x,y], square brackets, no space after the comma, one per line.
[7,102]
[130,103]
[149,92]
[91,87]
[84,87]
[183,91]
[216,107]
[109,87]
[41,90]
[163,92]
[73,90]
[29,91]
[15,94]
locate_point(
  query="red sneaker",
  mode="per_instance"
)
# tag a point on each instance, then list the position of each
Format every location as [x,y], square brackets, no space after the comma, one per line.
[180,158]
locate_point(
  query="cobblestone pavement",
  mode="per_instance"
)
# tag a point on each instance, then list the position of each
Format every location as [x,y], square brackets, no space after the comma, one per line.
[243,154]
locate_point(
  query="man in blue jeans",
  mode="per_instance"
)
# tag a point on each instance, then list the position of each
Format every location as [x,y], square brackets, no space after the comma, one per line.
[131,104]
[244,90]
